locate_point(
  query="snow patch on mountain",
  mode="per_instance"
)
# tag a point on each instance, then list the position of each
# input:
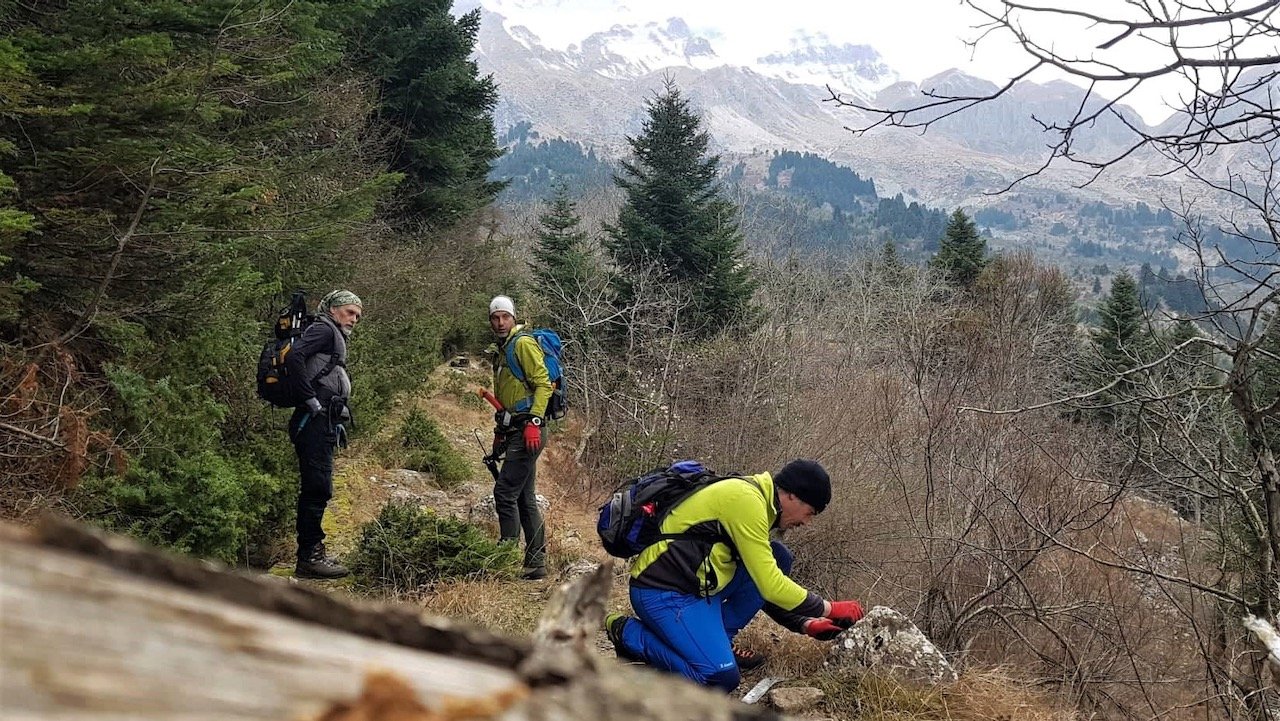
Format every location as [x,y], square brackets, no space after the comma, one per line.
[815,59]
[625,51]
[635,45]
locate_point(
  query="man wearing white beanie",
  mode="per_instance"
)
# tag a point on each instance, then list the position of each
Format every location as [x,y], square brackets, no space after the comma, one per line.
[517,434]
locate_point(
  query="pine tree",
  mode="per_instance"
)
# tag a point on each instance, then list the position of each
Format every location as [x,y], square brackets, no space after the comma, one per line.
[1121,339]
[562,262]
[437,103]
[674,220]
[962,253]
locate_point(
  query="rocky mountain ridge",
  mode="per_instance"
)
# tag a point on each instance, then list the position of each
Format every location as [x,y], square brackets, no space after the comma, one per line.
[593,92]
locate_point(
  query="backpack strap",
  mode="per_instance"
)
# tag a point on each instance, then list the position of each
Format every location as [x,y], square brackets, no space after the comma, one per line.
[686,534]
[339,355]
[513,364]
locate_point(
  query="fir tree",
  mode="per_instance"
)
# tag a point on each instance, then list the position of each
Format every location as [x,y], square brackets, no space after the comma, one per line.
[962,253]
[674,219]
[1121,339]
[438,104]
[562,261]
[891,268]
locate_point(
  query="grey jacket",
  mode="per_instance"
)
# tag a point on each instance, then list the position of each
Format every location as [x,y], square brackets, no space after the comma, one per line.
[321,343]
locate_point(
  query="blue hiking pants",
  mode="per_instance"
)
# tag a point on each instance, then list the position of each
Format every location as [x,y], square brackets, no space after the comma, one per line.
[692,636]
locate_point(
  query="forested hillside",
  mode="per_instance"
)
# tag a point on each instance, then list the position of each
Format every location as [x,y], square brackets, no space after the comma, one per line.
[170,172]
[1090,510]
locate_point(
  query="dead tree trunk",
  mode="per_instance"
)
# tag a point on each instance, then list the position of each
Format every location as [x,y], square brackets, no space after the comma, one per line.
[98,627]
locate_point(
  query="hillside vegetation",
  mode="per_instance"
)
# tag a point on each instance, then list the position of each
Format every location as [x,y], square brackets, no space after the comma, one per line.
[1079,517]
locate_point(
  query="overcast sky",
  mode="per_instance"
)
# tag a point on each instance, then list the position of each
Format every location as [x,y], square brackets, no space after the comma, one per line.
[917,38]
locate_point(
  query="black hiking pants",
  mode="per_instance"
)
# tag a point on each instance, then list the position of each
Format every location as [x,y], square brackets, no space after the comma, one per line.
[314,444]
[515,497]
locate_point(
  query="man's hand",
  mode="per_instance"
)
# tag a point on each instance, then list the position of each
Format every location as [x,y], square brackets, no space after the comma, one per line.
[847,612]
[532,437]
[497,445]
[822,629]
[313,405]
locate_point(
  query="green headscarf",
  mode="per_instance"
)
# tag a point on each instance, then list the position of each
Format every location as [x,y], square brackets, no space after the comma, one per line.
[337,299]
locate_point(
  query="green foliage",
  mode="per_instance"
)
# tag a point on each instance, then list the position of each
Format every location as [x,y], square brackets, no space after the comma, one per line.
[1122,339]
[169,169]
[434,99]
[407,547]
[963,253]
[181,490]
[819,179]
[429,451]
[675,221]
[562,263]
[532,170]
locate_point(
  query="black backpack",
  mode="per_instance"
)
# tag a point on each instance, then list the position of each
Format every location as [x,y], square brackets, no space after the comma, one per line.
[631,520]
[274,384]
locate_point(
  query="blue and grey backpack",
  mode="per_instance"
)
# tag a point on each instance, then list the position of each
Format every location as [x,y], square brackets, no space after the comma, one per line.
[632,518]
[552,348]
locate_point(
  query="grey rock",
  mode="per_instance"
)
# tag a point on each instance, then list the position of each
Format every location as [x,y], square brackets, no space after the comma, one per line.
[884,640]
[483,510]
[795,700]
[406,477]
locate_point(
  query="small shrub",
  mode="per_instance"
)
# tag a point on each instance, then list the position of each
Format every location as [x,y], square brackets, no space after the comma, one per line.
[183,490]
[430,451]
[406,547]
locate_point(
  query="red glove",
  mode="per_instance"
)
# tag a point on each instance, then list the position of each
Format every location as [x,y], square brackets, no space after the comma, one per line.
[822,629]
[845,612]
[532,437]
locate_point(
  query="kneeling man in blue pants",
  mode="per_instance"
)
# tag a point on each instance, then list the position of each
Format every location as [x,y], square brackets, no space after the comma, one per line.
[693,591]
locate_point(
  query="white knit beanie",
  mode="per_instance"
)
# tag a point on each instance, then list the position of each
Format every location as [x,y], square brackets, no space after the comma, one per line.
[502,302]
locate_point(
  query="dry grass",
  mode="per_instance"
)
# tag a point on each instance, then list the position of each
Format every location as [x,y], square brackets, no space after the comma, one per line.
[979,695]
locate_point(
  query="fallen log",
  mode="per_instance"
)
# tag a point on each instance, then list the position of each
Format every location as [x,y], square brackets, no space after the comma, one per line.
[94,626]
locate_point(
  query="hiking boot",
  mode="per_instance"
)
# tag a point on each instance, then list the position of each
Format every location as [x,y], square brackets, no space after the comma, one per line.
[747,659]
[533,573]
[613,624]
[315,564]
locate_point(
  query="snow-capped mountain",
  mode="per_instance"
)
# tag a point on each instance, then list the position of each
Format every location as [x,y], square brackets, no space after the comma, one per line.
[582,70]
[817,60]
[629,51]
[634,45]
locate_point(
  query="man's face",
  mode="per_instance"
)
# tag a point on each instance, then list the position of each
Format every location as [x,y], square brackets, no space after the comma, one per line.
[501,322]
[793,512]
[346,316]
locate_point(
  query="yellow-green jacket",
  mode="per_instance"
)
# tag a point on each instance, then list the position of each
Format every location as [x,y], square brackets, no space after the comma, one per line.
[741,510]
[532,395]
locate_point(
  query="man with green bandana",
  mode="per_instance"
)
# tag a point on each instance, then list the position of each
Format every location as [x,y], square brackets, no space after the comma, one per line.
[517,435]
[317,364]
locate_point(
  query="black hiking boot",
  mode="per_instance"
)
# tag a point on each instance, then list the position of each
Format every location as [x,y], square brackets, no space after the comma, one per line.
[613,624]
[533,573]
[747,659]
[314,564]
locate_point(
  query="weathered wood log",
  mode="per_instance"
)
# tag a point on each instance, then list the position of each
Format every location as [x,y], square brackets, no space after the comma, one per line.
[80,639]
[94,626]
[562,647]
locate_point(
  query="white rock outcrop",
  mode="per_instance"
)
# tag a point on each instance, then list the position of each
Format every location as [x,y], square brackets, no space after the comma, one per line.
[884,640]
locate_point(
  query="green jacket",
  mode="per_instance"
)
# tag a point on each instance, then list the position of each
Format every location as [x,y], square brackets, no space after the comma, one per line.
[537,384]
[743,510]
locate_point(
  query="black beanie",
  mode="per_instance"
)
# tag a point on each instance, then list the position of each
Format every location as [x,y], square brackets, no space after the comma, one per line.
[806,480]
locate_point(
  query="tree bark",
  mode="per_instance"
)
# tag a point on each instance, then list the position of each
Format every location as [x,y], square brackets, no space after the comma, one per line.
[98,627]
